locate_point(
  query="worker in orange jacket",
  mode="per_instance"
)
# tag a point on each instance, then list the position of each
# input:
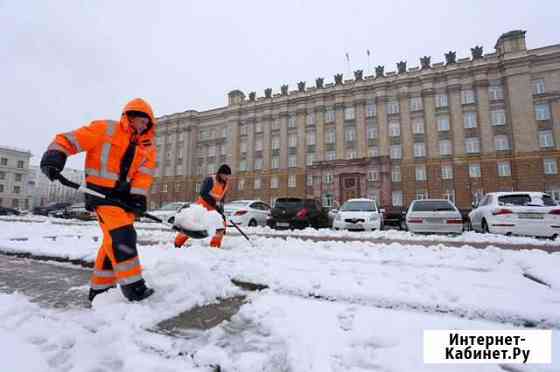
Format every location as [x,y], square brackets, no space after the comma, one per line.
[212,197]
[120,162]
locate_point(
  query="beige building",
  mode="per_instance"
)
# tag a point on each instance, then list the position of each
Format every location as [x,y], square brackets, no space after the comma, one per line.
[454,129]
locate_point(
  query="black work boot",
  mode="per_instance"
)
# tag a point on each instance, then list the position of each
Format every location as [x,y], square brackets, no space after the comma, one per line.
[136,291]
[95,292]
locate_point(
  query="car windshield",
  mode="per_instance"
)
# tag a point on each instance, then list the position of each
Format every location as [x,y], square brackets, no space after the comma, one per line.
[288,203]
[237,204]
[519,199]
[358,206]
[432,206]
[170,207]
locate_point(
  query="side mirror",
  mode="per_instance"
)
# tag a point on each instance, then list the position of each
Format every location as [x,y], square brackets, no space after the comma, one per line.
[474,204]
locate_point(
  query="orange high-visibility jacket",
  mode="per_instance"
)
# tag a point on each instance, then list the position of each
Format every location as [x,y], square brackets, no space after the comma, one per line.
[106,142]
[212,191]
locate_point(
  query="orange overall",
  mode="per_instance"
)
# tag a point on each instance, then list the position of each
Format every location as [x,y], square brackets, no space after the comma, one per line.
[216,193]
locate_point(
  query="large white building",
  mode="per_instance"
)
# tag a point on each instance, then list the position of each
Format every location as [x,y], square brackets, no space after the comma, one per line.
[14,171]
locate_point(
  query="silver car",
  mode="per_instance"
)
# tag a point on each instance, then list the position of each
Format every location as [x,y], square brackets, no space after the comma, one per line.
[434,216]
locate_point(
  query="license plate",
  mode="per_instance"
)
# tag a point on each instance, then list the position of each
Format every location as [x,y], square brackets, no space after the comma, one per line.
[283,224]
[531,216]
[433,220]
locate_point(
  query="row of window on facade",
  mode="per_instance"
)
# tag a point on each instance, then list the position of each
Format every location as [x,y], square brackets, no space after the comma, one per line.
[15,203]
[5,162]
[15,189]
[495,93]
[18,177]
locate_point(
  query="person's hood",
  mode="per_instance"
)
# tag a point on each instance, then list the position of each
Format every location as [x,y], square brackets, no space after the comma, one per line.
[138,104]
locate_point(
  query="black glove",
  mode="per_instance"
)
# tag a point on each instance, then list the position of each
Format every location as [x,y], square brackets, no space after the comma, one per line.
[138,203]
[52,163]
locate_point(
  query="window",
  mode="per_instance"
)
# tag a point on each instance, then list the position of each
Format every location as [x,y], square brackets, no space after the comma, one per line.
[222,149]
[292,121]
[310,119]
[179,170]
[1,188]
[394,129]
[199,170]
[472,145]
[243,146]
[371,109]
[449,195]
[258,163]
[350,134]
[310,158]
[467,96]
[446,172]
[180,154]
[258,127]
[443,123]
[420,173]
[418,126]
[15,203]
[397,198]
[168,155]
[441,100]
[240,184]
[373,151]
[546,138]
[328,178]
[419,150]
[504,169]
[474,170]
[372,132]
[501,143]
[164,187]
[421,195]
[331,155]
[495,93]
[393,107]
[309,180]
[550,166]
[373,175]
[498,117]
[18,177]
[292,161]
[243,130]
[259,144]
[331,136]
[310,138]
[275,143]
[351,154]
[291,180]
[415,103]
[329,116]
[349,113]
[396,173]
[20,164]
[275,124]
[275,162]
[292,140]
[445,147]
[4,161]
[469,119]
[242,165]
[542,111]
[396,152]
[274,182]
[212,168]
[257,183]
[538,86]
[224,132]
[177,187]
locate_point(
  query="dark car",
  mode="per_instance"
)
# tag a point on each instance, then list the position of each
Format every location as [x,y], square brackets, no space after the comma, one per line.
[44,211]
[75,211]
[297,213]
[395,217]
[9,212]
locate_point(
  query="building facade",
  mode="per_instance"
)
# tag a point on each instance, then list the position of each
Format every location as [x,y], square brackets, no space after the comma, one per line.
[455,129]
[14,171]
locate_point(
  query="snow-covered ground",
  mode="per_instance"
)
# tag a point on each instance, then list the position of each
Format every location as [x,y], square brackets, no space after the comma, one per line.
[330,306]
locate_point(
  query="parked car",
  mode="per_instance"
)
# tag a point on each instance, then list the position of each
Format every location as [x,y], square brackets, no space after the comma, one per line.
[358,214]
[247,212]
[297,213]
[520,213]
[434,216]
[9,212]
[395,217]
[44,211]
[74,211]
[167,212]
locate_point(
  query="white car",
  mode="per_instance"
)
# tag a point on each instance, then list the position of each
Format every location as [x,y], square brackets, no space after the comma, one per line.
[358,214]
[434,216]
[247,212]
[519,213]
[167,211]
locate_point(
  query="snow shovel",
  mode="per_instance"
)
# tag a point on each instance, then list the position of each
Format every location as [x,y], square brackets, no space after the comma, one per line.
[237,227]
[195,234]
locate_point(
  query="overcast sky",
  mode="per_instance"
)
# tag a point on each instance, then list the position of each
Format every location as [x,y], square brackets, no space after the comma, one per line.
[65,63]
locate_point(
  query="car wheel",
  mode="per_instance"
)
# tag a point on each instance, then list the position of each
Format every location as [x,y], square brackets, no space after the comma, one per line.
[484,226]
[252,223]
